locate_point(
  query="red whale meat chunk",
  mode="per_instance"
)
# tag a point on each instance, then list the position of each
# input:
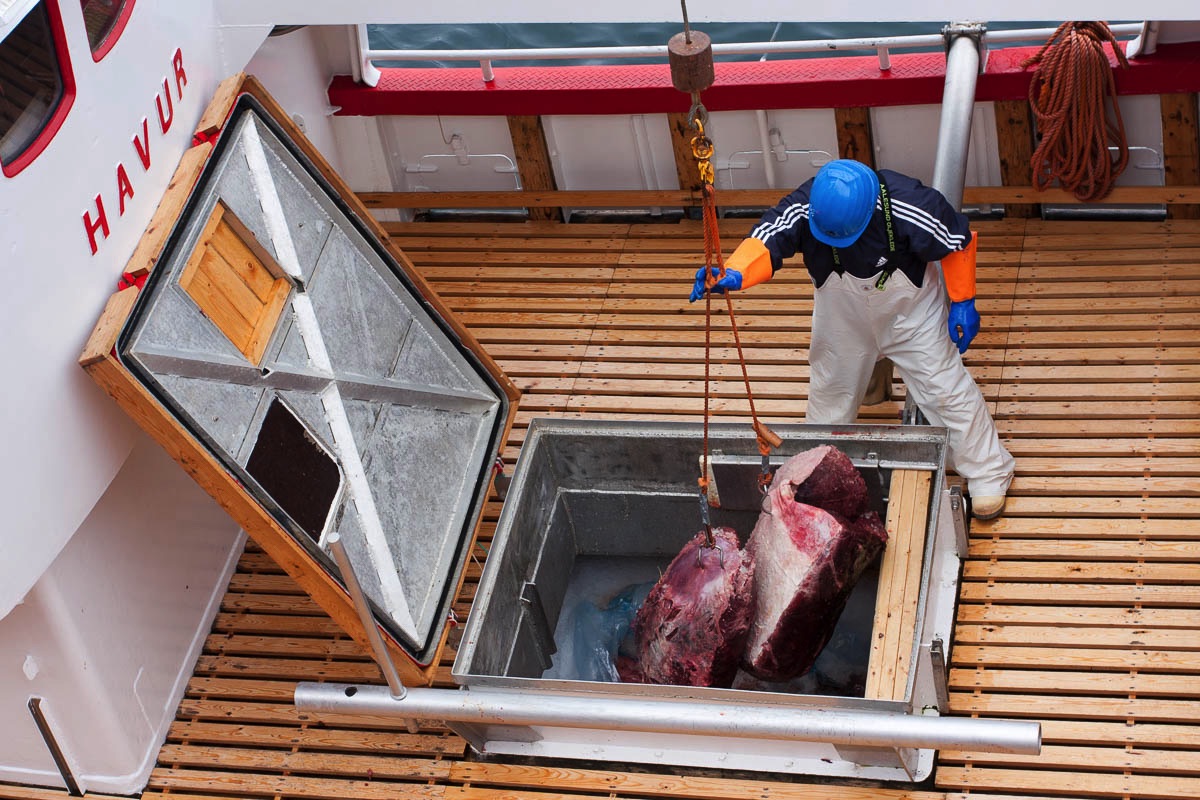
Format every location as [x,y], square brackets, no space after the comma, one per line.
[825,477]
[807,560]
[691,631]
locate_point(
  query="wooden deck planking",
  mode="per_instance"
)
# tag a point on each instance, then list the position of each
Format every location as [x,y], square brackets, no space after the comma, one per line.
[1111,636]
[1078,608]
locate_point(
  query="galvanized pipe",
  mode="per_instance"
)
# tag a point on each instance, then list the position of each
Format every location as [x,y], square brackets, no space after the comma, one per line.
[362,68]
[954,138]
[737,48]
[651,51]
[382,657]
[958,108]
[682,716]
[764,138]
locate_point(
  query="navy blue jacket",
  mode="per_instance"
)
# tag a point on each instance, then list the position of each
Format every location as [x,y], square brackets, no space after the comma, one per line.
[926,228]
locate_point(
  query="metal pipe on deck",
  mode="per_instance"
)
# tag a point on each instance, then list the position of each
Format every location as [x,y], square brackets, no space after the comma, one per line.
[963,42]
[958,109]
[690,716]
[395,686]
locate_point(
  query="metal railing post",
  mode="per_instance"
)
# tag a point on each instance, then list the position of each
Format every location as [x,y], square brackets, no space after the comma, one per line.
[958,108]
[963,44]
[382,657]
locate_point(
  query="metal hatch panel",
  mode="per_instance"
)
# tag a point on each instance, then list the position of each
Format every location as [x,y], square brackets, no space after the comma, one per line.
[282,335]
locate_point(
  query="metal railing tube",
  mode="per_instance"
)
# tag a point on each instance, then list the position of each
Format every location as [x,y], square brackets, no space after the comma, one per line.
[954,134]
[382,657]
[681,716]
[958,109]
[915,41]
[764,138]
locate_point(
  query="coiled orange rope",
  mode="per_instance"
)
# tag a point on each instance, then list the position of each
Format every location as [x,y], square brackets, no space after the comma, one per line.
[1069,94]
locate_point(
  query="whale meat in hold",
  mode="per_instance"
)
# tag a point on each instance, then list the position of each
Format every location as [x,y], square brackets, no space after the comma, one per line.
[812,543]
[691,631]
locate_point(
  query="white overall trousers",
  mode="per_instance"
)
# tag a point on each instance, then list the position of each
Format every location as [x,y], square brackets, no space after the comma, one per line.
[854,324]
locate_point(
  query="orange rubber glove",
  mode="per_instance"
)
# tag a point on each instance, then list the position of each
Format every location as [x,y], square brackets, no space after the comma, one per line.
[753,260]
[749,265]
[958,269]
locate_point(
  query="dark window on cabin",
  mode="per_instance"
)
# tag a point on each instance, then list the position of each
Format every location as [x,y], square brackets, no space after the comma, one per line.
[104,20]
[31,84]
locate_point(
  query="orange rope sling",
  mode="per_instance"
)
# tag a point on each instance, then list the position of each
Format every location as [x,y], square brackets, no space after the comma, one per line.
[714,266]
[690,56]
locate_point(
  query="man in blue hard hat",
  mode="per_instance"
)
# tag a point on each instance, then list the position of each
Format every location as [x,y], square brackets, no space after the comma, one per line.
[870,242]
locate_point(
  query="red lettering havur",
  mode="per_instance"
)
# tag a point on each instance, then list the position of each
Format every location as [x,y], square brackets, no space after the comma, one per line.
[164,106]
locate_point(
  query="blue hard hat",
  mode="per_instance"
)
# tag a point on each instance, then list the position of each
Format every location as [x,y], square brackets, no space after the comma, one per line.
[842,201]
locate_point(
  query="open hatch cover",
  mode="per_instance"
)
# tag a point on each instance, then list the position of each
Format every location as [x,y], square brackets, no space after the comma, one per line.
[280,336]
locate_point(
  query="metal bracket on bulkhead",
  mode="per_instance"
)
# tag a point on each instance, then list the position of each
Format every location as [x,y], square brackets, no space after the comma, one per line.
[972,30]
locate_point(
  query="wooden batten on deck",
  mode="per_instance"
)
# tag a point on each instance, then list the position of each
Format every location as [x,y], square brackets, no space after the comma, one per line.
[1078,608]
[1184,196]
[896,601]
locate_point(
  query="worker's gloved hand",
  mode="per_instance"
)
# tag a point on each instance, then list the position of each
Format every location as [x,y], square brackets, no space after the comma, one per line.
[731,281]
[963,323]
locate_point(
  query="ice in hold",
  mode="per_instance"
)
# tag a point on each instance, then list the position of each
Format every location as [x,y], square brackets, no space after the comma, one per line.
[598,637]
[691,631]
[812,543]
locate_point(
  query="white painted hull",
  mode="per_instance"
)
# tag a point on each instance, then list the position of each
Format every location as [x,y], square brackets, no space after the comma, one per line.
[65,440]
[113,560]
[107,637]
